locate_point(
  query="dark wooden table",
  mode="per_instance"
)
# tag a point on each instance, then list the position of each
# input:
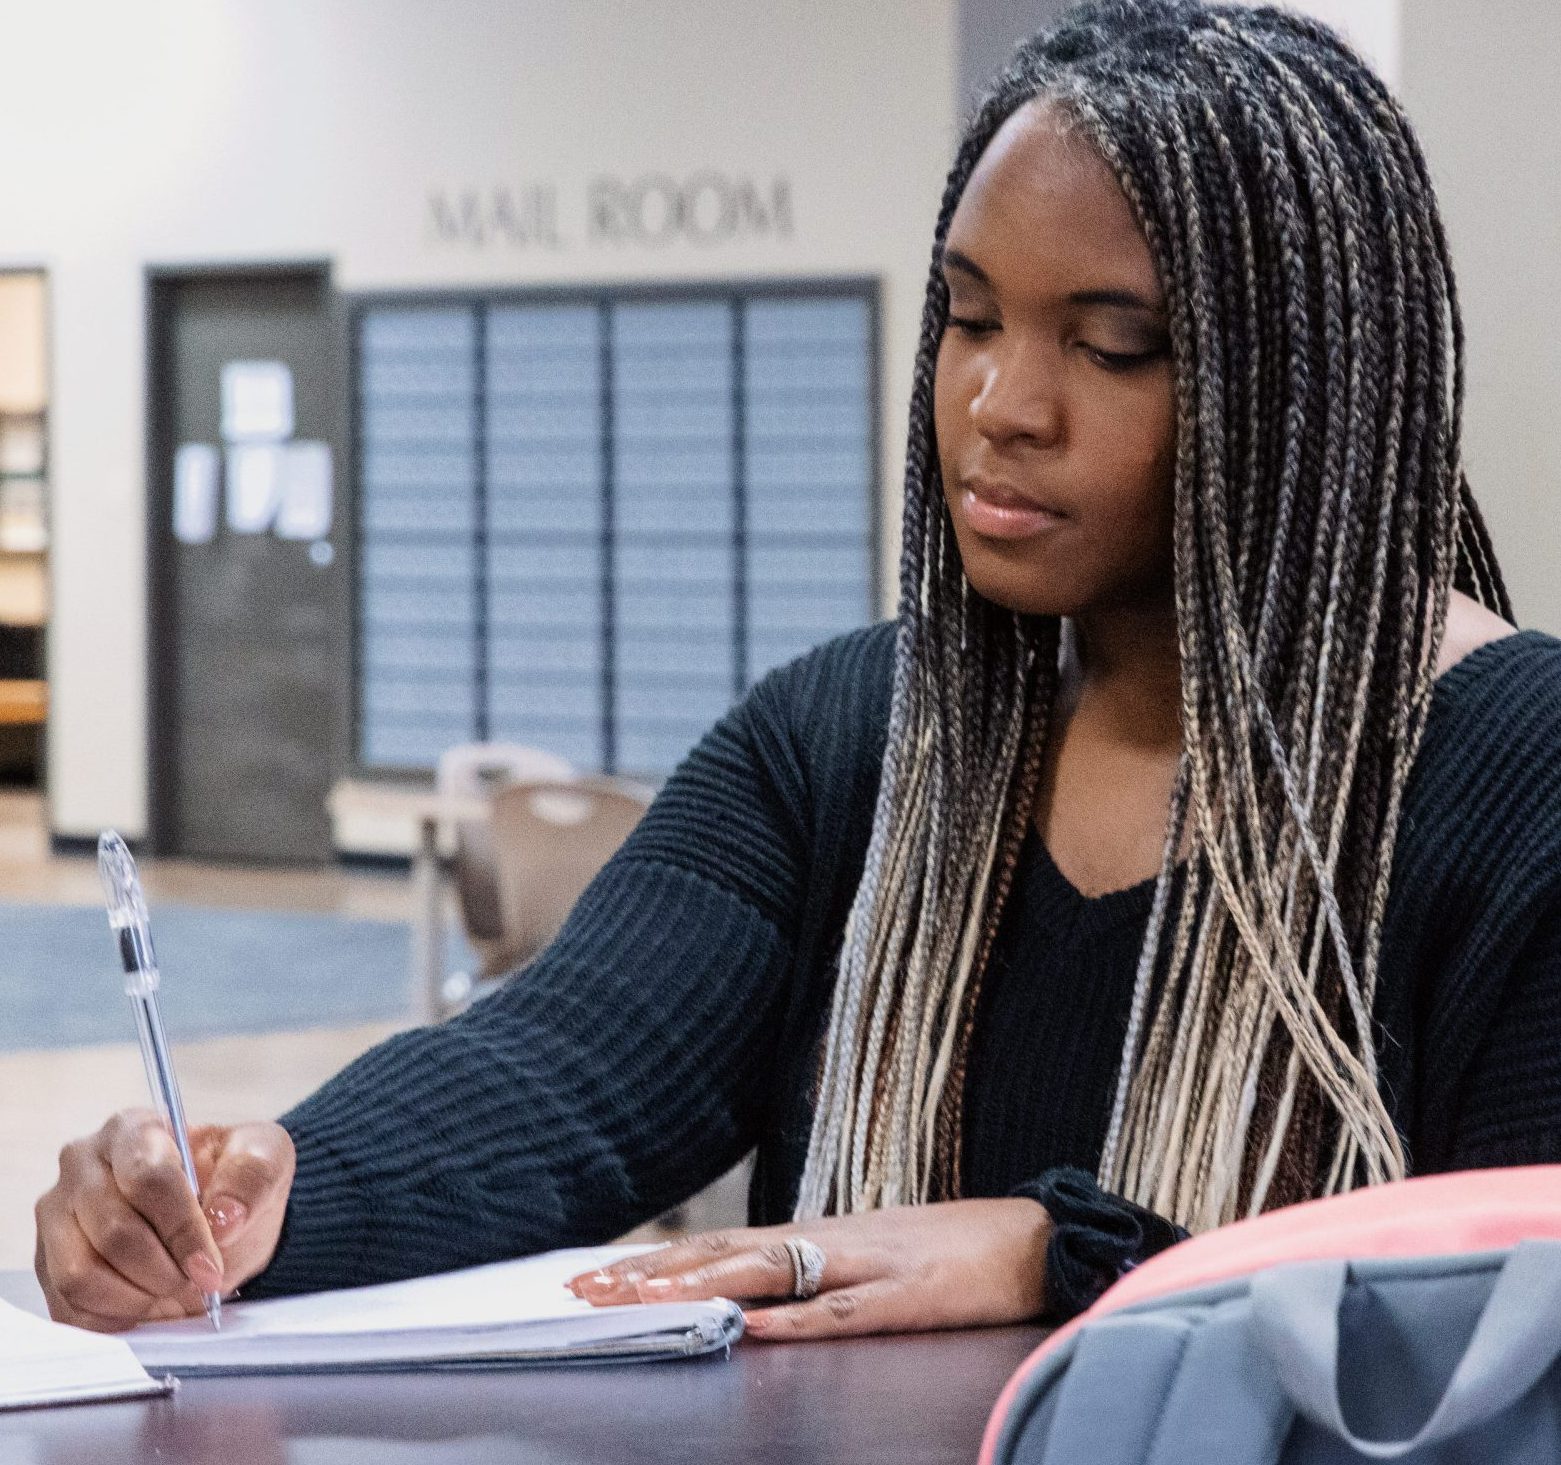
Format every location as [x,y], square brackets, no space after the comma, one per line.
[913,1400]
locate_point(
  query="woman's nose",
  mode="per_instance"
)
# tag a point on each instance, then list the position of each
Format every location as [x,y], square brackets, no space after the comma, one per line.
[1018,401]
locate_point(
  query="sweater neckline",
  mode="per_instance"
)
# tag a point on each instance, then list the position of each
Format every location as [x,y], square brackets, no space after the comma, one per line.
[1087,913]
[1133,902]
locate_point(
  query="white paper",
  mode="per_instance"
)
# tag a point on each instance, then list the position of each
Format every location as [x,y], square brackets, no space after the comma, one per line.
[195,493]
[254,486]
[307,495]
[257,401]
[507,1311]
[43,1362]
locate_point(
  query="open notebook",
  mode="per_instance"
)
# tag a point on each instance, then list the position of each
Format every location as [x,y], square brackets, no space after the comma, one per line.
[48,1363]
[495,1316]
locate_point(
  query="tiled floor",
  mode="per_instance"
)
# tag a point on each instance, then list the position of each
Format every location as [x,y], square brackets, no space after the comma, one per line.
[47,1098]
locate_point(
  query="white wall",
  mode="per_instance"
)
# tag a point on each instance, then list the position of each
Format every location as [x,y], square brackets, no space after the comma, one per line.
[209,130]
[1374,27]
[1480,84]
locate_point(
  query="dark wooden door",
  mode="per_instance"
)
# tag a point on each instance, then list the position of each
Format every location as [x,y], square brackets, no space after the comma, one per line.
[250,630]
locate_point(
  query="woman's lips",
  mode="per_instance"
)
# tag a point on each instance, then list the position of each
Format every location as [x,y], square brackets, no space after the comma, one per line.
[999,513]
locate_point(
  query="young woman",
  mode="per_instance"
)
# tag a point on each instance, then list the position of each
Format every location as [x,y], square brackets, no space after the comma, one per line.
[1189,847]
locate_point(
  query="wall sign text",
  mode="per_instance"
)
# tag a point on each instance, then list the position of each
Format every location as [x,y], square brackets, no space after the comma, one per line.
[652,211]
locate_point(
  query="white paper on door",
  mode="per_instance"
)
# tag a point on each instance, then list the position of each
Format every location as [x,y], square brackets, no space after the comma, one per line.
[254,486]
[257,401]
[307,492]
[196,487]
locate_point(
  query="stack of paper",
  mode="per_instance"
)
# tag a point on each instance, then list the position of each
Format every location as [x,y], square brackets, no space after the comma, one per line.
[495,1316]
[48,1363]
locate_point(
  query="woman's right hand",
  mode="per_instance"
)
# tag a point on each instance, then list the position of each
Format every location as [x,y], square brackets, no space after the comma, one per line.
[121,1239]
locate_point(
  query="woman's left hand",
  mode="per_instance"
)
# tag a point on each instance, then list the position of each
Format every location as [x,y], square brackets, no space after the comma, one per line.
[957,1264]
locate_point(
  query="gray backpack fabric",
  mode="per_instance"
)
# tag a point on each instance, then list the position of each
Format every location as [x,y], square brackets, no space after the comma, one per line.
[1446,1360]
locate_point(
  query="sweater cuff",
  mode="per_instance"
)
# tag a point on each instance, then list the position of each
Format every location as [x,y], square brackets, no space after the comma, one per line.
[323,1227]
[1096,1237]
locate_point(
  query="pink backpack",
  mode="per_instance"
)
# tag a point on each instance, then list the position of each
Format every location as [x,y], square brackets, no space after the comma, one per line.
[1419,1321]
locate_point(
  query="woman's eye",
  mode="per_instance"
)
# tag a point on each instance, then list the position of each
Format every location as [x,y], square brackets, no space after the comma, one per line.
[1123,360]
[971,325]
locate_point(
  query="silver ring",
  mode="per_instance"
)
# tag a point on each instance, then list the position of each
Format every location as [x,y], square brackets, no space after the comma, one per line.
[807,1267]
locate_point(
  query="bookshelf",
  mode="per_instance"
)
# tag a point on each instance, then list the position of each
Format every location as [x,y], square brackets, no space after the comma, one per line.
[24,518]
[24,522]
[24,597]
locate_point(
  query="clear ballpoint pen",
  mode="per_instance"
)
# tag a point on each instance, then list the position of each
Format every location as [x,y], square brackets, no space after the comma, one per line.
[127,919]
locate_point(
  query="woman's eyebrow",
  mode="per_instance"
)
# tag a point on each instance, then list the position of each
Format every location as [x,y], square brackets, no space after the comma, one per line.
[953,259]
[1123,299]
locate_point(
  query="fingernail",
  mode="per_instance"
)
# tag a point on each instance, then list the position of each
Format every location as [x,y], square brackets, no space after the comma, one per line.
[753,1322]
[202,1271]
[658,1286]
[226,1214]
[602,1279]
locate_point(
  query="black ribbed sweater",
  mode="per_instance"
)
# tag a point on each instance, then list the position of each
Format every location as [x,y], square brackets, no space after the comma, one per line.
[674,1023]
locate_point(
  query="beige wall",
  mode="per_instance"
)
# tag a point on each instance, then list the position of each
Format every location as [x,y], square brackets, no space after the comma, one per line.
[1480,83]
[210,130]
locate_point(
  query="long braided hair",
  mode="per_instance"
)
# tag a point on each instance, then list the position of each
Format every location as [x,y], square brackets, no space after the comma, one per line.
[1321,519]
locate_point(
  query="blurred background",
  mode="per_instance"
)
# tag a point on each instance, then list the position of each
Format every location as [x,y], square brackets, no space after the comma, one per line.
[419,422]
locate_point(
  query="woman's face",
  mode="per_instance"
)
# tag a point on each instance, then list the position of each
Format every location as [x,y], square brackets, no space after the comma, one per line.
[1054,404]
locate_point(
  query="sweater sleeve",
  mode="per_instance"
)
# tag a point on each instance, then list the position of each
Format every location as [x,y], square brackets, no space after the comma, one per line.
[619,1072]
[1510,1114]
[1510,1110]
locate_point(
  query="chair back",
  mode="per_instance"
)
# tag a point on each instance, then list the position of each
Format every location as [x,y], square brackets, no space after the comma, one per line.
[550,840]
[481,769]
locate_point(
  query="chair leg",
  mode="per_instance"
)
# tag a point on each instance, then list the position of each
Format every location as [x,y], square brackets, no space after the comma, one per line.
[428,923]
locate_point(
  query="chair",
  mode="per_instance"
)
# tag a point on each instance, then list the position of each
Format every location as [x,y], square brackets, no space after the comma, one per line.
[483,768]
[550,838]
